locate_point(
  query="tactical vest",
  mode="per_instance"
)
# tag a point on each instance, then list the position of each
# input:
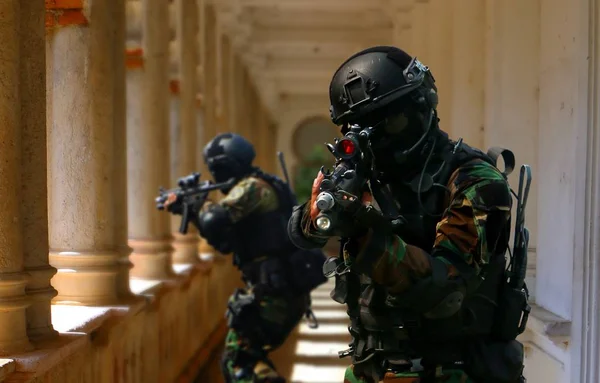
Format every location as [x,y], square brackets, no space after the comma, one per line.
[263,234]
[383,329]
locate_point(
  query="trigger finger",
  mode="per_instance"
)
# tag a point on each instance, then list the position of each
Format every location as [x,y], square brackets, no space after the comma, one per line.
[367,197]
[318,180]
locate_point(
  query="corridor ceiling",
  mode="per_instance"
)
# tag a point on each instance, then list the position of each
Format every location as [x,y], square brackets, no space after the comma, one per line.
[293,47]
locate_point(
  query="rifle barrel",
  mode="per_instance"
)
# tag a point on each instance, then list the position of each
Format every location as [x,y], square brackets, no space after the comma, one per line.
[284,168]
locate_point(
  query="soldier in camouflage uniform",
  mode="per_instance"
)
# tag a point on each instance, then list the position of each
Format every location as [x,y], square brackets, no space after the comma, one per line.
[250,222]
[426,300]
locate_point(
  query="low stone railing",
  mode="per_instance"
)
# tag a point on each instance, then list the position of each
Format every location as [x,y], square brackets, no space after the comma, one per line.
[167,335]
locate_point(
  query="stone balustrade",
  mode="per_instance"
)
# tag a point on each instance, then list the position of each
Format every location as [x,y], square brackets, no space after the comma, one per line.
[166,337]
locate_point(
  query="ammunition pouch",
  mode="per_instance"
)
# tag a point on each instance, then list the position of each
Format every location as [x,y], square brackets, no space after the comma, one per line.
[512,313]
[272,275]
[305,270]
[337,268]
[242,311]
[436,296]
[495,361]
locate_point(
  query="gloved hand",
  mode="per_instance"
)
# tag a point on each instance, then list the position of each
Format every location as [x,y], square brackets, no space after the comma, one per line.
[296,234]
[348,226]
[172,204]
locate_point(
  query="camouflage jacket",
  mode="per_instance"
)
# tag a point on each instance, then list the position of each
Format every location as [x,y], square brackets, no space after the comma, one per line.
[476,212]
[250,195]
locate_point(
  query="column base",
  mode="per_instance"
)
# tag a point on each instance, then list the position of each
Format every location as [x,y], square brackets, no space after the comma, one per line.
[123,288]
[88,278]
[13,306]
[151,259]
[40,292]
[185,248]
[207,252]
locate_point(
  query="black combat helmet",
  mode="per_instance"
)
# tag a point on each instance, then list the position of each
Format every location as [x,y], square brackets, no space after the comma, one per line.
[386,89]
[376,77]
[229,155]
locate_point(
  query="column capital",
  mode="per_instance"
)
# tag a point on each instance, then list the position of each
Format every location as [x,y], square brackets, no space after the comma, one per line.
[134,16]
[61,13]
[134,58]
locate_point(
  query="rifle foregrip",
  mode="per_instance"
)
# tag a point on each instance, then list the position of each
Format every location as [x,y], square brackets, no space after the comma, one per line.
[185,219]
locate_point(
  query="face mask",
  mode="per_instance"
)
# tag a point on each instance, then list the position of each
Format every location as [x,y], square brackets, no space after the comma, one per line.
[220,173]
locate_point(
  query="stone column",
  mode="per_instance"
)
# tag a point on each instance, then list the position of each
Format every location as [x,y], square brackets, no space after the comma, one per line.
[148,149]
[217,59]
[252,118]
[248,105]
[34,182]
[234,87]
[206,108]
[85,159]
[225,84]
[243,101]
[13,279]
[210,73]
[205,251]
[468,58]
[268,142]
[183,124]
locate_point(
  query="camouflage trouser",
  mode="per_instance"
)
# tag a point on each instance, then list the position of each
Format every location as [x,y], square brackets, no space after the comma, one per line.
[446,376]
[245,359]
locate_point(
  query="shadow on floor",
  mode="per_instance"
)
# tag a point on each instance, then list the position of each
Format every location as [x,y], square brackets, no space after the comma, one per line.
[308,355]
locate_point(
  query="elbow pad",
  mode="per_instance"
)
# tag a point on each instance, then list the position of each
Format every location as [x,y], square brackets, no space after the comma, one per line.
[216,227]
[294,230]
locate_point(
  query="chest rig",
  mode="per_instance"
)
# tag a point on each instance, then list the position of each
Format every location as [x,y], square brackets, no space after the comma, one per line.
[388,336]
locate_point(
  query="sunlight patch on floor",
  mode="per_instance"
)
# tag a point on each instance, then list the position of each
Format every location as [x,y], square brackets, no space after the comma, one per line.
[331,314]
[327,302]
[324,329]
[306,373]
[320,349]
[324,294]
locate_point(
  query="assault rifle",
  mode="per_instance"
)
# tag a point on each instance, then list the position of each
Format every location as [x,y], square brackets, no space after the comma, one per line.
[341,189]
[516,308]
[190,196]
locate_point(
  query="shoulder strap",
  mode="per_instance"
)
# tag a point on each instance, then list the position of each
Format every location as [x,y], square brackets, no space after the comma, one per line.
[463,153]
[284,193]
[507,156]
